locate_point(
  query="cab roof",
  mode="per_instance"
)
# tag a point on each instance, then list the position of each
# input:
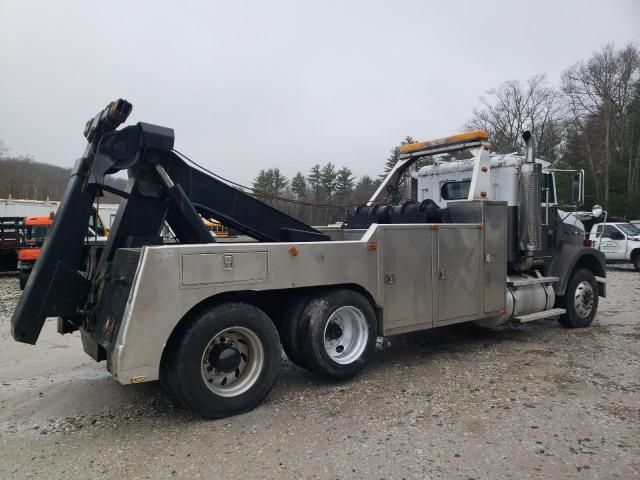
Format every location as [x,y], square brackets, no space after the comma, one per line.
[497,161]
[38,220]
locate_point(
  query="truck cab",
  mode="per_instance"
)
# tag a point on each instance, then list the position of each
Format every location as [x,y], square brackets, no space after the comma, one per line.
[450,181]
[33,232]
[619,241]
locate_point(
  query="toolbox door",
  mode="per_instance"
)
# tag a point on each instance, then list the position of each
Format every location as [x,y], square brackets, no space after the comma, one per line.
[407,279]
[458,285]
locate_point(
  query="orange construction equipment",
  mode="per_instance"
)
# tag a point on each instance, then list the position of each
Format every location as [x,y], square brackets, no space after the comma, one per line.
[32,235]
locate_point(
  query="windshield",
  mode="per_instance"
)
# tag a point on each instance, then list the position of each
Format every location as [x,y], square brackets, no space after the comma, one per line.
[33,236]
[629,229]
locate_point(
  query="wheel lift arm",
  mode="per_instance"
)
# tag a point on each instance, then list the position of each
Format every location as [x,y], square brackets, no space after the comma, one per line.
[161,187]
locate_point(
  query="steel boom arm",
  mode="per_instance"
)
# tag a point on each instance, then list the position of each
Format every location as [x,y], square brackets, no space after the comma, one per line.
[161,188]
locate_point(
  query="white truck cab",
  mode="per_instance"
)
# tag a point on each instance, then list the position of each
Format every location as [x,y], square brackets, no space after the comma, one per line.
[619,241]
[451,180]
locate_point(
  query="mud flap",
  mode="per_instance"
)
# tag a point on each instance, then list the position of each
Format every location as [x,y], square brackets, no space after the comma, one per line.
[91,347]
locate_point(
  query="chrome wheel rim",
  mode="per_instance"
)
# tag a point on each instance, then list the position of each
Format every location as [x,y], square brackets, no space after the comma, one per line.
[583,299]
[232,361]
[345,335]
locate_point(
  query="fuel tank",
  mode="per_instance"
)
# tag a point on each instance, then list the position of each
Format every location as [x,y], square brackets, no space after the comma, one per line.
[522,300]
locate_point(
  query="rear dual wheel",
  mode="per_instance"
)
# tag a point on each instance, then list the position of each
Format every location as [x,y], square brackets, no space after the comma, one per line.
[224,362]
[293,330]
[333,333]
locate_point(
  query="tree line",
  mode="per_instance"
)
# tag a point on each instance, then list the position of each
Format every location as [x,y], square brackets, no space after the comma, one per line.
[21,177]
[590,121]
[323,196]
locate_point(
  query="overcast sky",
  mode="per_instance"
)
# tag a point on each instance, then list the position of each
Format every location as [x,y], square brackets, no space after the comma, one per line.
[251,85]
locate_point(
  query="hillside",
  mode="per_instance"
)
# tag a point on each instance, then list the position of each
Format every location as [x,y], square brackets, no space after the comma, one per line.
[22,177]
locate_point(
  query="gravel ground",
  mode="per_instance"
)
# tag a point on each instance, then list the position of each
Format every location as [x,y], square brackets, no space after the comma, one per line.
[532,401]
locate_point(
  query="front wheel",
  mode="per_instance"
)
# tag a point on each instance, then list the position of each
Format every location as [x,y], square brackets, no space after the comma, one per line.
[224,362]
[23,276]
[636,262]
[341,333]
[580,300]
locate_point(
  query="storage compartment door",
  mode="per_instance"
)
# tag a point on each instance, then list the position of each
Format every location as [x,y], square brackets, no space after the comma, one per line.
[495,257]
[407,279]
[458,286]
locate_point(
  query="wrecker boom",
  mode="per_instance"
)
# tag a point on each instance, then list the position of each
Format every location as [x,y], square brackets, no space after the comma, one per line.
[161,188]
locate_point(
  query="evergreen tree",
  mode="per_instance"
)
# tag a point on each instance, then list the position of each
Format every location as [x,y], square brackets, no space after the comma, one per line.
[314,178]
[344,182]
[263,181]
[365,187]
[395,154]
[299,186]
[279,181]
[328,179]
[270,182]
[364,183]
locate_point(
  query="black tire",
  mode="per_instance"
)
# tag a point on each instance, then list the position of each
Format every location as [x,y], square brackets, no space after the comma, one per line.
[293,331]
[23,277]
[636,262]
[582,289]
[183,371]
[317,315]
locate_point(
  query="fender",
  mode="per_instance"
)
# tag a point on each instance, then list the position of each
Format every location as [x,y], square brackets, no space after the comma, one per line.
[573,256]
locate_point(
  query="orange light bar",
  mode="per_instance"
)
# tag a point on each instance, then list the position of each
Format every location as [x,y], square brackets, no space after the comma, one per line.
[477,135]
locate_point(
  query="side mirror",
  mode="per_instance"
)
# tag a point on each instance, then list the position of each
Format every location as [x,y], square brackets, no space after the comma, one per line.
[577,188]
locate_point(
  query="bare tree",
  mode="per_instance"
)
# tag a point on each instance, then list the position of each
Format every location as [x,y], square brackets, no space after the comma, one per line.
[3,149]
[513,107]
[600,92]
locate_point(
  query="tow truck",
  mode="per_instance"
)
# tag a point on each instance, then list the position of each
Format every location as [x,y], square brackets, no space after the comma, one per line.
[208,319]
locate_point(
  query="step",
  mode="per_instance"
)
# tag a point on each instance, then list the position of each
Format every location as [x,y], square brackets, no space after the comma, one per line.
[532,281]
[539,315]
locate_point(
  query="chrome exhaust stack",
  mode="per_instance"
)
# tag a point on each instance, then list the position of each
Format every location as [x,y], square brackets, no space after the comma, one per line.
[529,227]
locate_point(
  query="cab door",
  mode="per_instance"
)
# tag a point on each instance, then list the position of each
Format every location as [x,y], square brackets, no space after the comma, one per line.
[613,242]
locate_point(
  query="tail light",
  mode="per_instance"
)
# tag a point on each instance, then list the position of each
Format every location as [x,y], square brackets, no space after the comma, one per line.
[587,243]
